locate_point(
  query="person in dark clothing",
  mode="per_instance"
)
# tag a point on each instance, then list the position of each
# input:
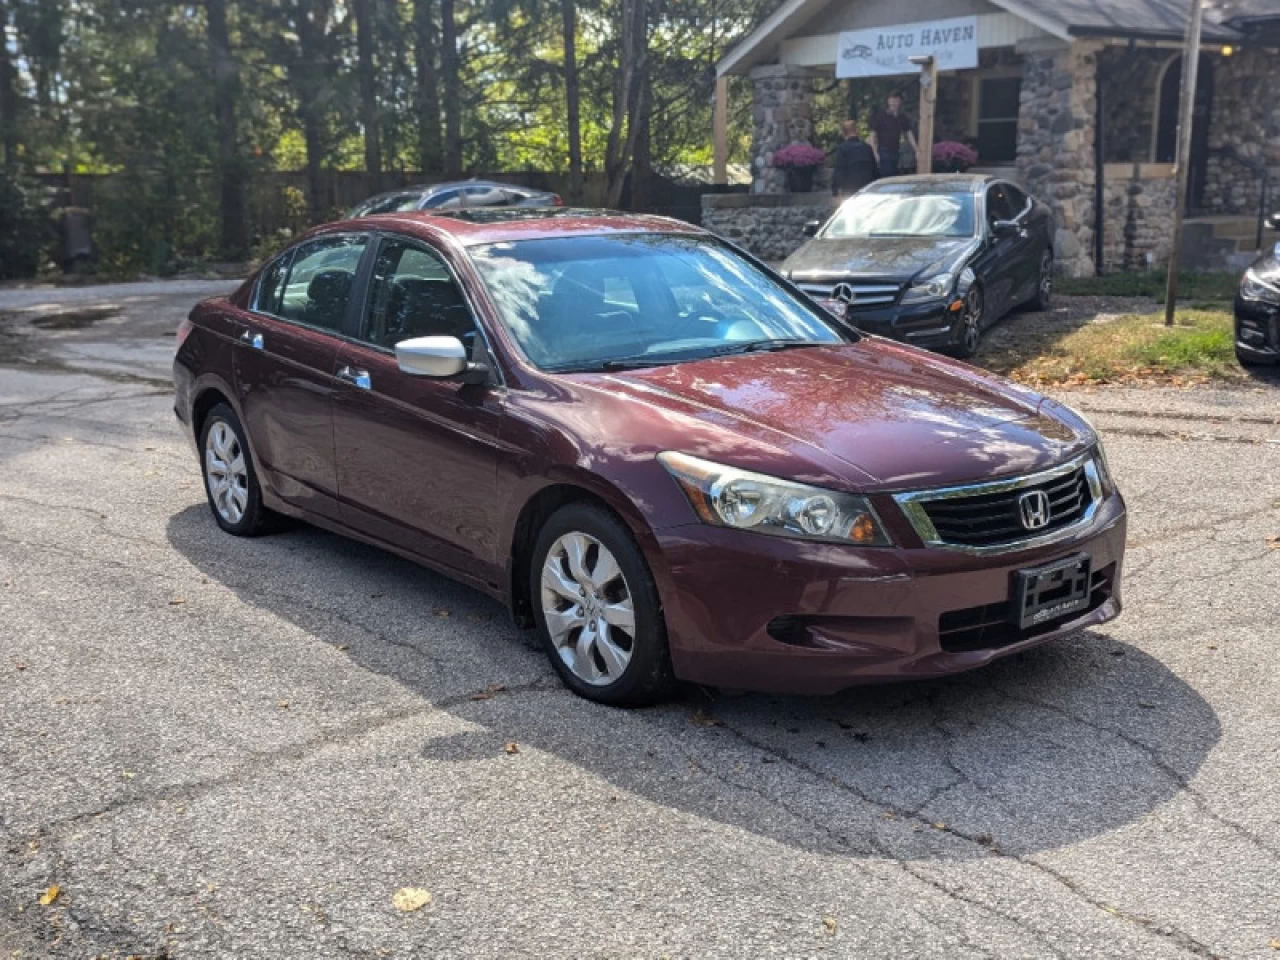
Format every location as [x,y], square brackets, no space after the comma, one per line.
[855,162]
[887,128]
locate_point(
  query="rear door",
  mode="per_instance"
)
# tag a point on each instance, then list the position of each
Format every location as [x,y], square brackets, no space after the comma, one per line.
[284,367]
[416,456]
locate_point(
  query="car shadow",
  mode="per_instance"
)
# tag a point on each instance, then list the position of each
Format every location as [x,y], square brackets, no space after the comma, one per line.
[1036,751]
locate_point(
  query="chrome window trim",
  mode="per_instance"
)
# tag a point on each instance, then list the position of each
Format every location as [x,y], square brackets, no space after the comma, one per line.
[912,505]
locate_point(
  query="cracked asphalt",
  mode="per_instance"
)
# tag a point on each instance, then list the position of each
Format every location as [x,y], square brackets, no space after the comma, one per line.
[228,748]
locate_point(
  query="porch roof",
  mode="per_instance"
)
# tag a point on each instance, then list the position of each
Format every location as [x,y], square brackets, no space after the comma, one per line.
[1065,19]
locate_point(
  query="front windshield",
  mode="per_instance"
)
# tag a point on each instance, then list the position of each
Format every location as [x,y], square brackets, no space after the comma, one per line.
[582,303]
[903,211]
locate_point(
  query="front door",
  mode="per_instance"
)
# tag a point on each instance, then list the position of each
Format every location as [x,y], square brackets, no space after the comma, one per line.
[416,456]
[284,368]
[1002,261]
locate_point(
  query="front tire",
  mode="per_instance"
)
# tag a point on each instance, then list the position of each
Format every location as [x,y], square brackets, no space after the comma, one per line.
[969,325]
[1044,283]
[230,482]
[597,609]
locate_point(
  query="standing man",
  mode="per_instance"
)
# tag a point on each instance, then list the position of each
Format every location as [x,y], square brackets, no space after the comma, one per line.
[855,162]
[887,128]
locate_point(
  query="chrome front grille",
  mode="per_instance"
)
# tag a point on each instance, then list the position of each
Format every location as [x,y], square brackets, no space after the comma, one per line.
[866,295]
[989,517]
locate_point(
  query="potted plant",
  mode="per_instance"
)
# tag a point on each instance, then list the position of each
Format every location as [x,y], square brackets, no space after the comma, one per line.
[950,156]
[799,160]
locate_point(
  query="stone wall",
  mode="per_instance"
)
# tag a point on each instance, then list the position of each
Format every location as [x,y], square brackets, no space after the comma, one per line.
[1138,231]
[769,226]
[781,98]
[1055,142]
[1246,115]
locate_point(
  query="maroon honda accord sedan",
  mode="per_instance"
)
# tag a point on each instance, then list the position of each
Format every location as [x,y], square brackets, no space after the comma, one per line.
[655,450]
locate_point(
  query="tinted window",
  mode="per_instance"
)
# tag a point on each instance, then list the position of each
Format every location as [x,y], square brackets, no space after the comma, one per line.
[998,207]
[903,211]
[575,303]
[413,295]
[485,197]
[1017,199]
[387,204]
[445,199]
[271,286]
[320,282]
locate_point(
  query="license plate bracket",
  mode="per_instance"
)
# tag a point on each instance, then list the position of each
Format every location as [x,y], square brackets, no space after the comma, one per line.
[1052,591]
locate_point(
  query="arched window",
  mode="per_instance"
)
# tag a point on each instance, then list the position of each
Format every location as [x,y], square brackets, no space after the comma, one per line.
[1164,148]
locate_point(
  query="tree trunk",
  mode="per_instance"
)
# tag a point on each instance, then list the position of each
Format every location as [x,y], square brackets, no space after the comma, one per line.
[311,77]
[234,234]
[452,90]
[429,146]
[365,43]
[626,98]
[8,96]
[641,152]
[568,12]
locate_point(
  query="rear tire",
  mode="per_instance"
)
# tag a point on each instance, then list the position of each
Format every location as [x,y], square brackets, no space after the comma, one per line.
[597,609]
[230,481]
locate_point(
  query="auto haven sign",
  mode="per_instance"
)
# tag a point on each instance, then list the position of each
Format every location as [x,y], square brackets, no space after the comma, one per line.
[886,51]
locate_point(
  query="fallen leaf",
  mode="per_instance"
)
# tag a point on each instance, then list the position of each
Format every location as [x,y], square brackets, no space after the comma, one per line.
[148,448]
[511,747]
[700,719]
[1145,705]
[830,924]
[282,704]
[1275,944]
[343,647]
[441,612]
[21,666]
[1273,543]
[376,596]
[939,825]
[481,695]
[497,687]
[409,899]
[177,601]
[128,774]
[50,895]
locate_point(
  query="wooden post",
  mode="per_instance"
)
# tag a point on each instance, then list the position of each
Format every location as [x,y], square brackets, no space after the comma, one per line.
[1186,117]
[720,133]
[928,97]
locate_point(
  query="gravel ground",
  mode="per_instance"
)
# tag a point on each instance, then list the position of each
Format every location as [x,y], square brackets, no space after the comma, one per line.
[217,747]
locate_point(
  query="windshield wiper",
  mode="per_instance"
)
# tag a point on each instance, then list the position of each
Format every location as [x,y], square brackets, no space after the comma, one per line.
[763,346]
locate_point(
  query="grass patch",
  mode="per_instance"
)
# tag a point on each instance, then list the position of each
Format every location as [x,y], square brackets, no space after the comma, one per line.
[1191,286]
[1199,346]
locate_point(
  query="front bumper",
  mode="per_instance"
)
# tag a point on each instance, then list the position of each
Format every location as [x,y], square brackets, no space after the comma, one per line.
[747,611]
[1257,330]
[929,324]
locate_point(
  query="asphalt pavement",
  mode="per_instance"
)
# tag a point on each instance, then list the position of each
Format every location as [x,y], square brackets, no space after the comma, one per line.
[215,747]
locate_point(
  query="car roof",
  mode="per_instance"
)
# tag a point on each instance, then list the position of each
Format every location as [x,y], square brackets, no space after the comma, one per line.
[497,225]
[938,181]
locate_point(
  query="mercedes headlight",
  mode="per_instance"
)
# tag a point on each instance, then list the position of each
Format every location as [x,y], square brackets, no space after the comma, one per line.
[935,288]
[1253,287]
[728,497]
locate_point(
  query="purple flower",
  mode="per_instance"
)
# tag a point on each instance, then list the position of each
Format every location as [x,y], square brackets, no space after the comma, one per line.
[954,154]
[798,155]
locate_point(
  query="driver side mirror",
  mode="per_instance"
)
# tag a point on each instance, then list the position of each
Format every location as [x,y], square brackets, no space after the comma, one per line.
[1273,221]
[811,228]
[441,358]
[1005,228]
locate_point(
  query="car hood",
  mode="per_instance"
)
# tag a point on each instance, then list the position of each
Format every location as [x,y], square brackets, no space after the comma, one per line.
[1268,267]
[888,258]
[870,415]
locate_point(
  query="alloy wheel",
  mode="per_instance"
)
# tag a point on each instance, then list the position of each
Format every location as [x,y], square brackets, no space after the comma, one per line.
[226,472]
[588,608]
[971,332]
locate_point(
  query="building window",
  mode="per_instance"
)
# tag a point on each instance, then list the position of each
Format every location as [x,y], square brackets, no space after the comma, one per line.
[998,119]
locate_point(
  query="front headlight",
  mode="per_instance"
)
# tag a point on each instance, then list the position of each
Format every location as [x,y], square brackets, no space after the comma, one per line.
[935,288]
[728,497]
[1253,287]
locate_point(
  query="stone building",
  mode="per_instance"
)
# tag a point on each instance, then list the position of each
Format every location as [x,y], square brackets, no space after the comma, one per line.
[1075,100]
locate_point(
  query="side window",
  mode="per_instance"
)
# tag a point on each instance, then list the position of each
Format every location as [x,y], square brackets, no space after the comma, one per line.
[320,282]
[485,197]
[413,295]
[445,200]
[998,204]
[1017,199]
[271,286]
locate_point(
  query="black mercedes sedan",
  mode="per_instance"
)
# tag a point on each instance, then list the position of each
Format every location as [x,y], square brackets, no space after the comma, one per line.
[930,260]
[1258,309]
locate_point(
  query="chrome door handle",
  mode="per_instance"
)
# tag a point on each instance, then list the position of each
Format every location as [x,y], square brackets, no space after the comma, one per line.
[359,378]
[253,339]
